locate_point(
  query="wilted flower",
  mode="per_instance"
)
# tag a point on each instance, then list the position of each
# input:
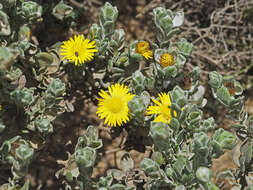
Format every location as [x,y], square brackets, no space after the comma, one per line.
[143,49]
[231,87]
[113,106]
[79,50]
[166,59]
[162,109]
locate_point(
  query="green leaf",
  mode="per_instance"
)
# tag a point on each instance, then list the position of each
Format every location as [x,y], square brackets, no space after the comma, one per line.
[25,186]
[44,125]
[195,74]
[170,71]
[146,98]
[238,88]
[178,19]
[5,29]
[212,186]
[223,95]
[165,44]
[151,168]
[194,118]
[180,137]
[172,32]
[215,80]
[208,124]
[69,176]
[158,158]
[247,152]
[226,139]
[108,16]
[138,82]
[95,32]
[8,56]
[149,83]
[238,126]
[117,187]
[174,123]
[180,61]
[169,172]
[179,165]
[217,149]
[56,87]
[85,157]
[91,133]
[178,96]
[185,48]
[96,144]
[30,11]
[23,97]
[137,107]
[24,152]
[159,131]
[62,11]
[228,175]
[180,187]
[203,174]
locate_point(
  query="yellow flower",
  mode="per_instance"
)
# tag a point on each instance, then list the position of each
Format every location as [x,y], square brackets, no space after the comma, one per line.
[162,109]
[166,59]
[113,106]
[143,49]
[0,107]
[78,50]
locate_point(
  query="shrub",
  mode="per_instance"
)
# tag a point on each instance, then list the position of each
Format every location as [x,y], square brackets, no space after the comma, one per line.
[141,87]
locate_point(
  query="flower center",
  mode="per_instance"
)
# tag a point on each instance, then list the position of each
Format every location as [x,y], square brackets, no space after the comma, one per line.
[142,47]
[76,54]
[115,104]
[166,60]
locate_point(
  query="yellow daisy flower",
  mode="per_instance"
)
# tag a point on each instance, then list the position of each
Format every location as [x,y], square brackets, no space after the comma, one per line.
[162,109]
[143,49]
[113,106]
[166,59]
[78,49]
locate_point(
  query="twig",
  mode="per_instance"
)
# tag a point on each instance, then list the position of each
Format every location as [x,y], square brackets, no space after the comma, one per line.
[203,55]
[149,7]
[77,4]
